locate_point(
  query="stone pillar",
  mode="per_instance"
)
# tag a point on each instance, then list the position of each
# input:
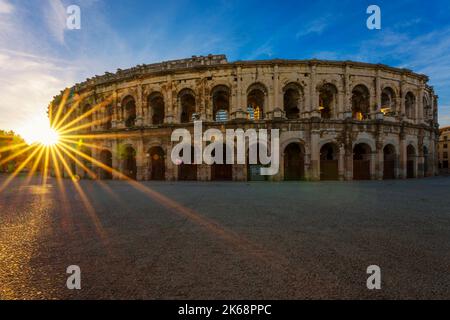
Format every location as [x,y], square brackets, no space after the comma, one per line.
[240,103]
[146,112]
[313,92]
[402,100]
[239,172]
[347,92]
[419,106]
[347,162]
[114,120]
[171,168]
[403,158]
[116,162]
[276,90]
[140,160]
[379,161]
[315,156]
[339,113]
[374,165]
[420,159]
[169,101]
[139,111]
[378,92]
[200,100]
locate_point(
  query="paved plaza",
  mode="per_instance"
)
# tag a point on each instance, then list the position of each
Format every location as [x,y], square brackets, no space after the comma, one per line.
[194,240]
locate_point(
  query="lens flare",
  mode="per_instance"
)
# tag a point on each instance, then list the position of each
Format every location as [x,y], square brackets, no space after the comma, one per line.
[48,137]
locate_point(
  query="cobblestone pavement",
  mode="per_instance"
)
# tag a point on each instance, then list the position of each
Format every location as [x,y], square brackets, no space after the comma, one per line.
[225,240]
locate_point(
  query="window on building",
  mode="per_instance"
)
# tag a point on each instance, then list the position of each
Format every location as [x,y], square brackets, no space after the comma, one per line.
[445,155]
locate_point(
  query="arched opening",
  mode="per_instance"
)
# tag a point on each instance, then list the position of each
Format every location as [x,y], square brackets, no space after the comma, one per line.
[129,162]
[187,172]
[106,159]
[410,105]
[156,105]
[389,162]
[222,172]
[388,104]
[360,102]
[425,162]
[256,102]
[187,104]
[294,162]
[87,121]
[156,165]
[221,103]
[361,162]
[292,100]
[329,163]
[129,107]
[327,100]
[411,162]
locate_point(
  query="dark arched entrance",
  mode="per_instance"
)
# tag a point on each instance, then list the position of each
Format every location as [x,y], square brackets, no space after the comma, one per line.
[157,168]
[222,172]
[106,159]
[129,163]
[329,163]
[389,159]
[361,162]
[294,165]
[187,172]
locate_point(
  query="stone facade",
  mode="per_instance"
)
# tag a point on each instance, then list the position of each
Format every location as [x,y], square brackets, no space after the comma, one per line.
[337,120]
[443,150]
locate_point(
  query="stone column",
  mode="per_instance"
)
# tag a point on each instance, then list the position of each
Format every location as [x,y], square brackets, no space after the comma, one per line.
[146,112]
[114,118]
[116,163]
[347,162]
[403,158]
[139,110]
[419,106]
[315,156]
[313,94]
[379,161]
[402,100]
[347,91]
[140,160]
[169,100]
[240,103]
[374,165]
[276,89]
[378,92]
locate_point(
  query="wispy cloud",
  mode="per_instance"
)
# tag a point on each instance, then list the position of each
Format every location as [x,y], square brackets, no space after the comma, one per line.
[55,17]
[27,84]
[6,7]
[316,27]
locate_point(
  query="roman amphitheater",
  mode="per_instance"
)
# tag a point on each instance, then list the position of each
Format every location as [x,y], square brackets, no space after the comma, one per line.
[337,120]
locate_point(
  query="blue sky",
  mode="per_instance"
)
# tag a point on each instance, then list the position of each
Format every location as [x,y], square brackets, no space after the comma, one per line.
[39,56]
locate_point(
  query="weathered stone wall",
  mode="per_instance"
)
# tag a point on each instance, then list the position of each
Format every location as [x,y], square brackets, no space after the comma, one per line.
[409,123]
